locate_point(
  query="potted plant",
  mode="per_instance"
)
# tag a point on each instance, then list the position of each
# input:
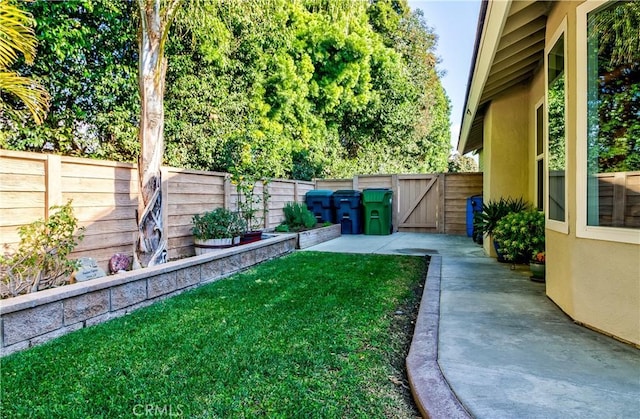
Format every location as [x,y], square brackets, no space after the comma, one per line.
[537,266]
[215,229]
[249,207]
[297,217]
[519,234]
[492,212]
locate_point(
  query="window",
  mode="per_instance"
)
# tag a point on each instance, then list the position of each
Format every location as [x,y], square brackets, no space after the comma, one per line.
[556,156]
[609,121]
[540,156]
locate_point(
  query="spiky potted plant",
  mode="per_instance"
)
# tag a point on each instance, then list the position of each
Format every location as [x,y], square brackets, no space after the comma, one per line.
[492,212]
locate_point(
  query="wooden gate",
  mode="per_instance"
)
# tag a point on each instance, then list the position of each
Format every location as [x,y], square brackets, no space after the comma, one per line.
[419,203]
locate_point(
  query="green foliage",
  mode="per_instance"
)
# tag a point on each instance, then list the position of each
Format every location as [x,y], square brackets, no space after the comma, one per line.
[493,211]
[249,203]
[217,224]
[614,87]
[269,88]
[298,217]
[520,235]
[87,60]
[40,260]
[461,164]
[557,140]
[18,40]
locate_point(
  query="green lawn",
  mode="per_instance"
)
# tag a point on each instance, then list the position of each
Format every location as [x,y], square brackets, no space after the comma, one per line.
[307,335]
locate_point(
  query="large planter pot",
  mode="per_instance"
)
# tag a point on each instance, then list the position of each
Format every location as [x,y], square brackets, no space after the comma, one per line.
[498,252]
[211,245]
[251,236]
[537,271]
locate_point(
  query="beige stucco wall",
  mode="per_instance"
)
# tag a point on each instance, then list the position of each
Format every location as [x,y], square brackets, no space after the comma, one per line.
[596,282]
[506,149]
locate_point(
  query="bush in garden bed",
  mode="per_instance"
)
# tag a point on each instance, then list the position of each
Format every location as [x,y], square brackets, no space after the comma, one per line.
[40,260]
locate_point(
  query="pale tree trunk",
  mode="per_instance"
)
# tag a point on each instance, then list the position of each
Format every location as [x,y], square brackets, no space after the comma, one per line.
[151,246]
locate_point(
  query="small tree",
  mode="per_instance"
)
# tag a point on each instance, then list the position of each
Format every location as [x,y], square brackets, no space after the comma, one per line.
[155,22]
[40,261]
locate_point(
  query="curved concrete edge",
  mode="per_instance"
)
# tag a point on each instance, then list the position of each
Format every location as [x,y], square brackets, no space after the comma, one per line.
[430,389]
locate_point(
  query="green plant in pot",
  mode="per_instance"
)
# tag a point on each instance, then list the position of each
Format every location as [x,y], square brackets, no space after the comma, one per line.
[519,234]
[297,217]
[492,212]
[216,229]
[537,266]
[251,206]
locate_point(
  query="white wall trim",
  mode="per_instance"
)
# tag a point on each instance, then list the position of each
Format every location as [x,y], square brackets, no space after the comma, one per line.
[559,226]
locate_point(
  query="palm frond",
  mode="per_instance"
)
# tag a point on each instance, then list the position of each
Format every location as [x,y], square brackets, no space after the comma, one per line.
[16,35]
[33,95]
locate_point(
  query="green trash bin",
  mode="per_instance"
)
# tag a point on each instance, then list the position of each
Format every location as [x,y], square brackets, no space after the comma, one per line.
[377,211]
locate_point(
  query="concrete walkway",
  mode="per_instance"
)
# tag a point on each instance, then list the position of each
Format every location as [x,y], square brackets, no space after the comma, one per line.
[504,349]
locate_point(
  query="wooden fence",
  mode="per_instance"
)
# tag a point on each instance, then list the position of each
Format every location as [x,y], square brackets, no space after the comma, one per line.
[618,199]
[427,203]
[105,199]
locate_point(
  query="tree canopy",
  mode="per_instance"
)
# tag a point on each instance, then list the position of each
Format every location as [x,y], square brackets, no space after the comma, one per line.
[277,88]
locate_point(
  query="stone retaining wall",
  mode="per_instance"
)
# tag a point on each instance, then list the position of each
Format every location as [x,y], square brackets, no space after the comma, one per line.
[319,235]
[32,319]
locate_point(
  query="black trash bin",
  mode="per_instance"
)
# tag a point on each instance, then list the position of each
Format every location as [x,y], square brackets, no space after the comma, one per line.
[319,203]
[348,209]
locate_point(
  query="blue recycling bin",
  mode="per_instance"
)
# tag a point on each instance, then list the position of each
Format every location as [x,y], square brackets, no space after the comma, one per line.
[348,210]
[474,204]
[319,203]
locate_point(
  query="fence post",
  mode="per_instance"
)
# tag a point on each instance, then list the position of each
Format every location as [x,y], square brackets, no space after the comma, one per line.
[265,203]
[441,214]
[395,214]
[619,199]
[53,185]
[227,192]
[354,183]
[164,190]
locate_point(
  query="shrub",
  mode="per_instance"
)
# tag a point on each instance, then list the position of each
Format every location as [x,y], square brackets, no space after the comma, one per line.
[494,211]
[40,260]
[298,217]
[217,224]
[520,235]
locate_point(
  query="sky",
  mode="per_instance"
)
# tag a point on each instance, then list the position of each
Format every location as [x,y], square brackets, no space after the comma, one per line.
[455,23]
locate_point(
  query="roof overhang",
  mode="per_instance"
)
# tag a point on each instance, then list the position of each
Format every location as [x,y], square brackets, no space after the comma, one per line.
[509,49]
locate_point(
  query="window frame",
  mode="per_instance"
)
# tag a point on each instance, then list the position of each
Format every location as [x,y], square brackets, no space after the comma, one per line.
[583,230]
[556,225]
[539,156]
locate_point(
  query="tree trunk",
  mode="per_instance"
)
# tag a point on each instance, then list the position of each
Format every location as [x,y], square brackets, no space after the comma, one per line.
[151,247]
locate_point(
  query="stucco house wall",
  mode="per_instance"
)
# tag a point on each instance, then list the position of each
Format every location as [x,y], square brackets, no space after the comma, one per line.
[596,281]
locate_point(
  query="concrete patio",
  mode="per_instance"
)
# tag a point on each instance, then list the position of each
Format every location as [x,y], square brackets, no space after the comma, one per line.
[501,348]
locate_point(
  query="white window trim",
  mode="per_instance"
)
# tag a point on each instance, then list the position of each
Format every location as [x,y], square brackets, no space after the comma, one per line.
[559,226]
[615,234]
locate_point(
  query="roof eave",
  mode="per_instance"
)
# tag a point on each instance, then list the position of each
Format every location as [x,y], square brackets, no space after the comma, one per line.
[492,17]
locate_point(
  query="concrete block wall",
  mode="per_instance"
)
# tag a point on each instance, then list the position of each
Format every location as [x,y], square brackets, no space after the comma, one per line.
[32,319]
